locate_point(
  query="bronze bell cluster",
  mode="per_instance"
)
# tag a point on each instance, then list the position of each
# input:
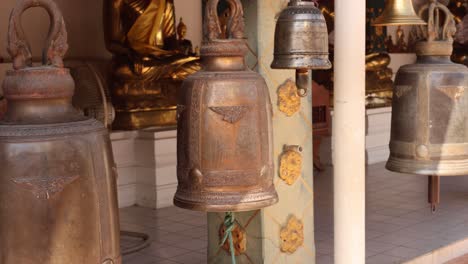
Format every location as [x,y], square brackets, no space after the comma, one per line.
[301,41]
[225,143]
[429,134]
[58,201]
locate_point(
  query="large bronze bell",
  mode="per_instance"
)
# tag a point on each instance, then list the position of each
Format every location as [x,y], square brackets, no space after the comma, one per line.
[429,119]
[301,41]
[429,134]
[224,146]
[58,201]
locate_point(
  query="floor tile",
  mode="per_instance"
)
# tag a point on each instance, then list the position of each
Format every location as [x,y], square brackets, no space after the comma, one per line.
[383,259]
[399,227]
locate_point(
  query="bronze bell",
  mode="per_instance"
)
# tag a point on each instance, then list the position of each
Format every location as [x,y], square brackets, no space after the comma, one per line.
[224,146]
[429,117]
[399,12]
[301,41]
[429,134]
[58,201]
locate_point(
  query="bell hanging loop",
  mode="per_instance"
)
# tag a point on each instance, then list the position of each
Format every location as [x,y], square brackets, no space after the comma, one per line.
[438,41]
[56,44]
[399,12]
[212,26]
[224,140]
[301,41]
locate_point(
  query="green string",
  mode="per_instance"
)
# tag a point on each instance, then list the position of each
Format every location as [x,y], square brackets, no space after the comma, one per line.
[229,221]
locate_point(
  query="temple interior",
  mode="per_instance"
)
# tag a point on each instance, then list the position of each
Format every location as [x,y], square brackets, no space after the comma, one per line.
[233,131]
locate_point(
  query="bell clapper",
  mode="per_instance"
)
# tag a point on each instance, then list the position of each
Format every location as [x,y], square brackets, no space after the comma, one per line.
[434,192]
[302,81]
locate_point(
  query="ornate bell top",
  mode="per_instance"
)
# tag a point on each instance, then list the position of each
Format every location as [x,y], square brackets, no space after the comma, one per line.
[215,50]
[438,40]
[297,8]
[38,95]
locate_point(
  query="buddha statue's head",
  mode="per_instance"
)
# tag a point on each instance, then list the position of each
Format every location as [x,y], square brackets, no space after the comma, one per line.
[181,29]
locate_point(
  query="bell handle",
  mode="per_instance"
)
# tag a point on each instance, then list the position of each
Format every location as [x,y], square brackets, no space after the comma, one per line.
[236,25]
[313,2]
[449,28]
[56,43]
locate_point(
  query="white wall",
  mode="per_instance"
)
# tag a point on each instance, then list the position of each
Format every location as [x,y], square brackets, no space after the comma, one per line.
[84,25]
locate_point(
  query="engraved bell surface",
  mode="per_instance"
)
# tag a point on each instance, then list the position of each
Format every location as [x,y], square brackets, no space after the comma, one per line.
[225,144]
[429,134]
[58,182]
[301,38]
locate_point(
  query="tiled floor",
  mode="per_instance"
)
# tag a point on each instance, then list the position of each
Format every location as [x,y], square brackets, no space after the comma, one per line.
[178,236]
[399,223]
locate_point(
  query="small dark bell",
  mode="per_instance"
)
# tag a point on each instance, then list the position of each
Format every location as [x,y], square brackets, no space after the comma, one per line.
[301,38]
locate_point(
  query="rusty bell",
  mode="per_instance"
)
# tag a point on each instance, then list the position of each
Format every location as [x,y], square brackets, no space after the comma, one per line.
[58,201]
[225,143]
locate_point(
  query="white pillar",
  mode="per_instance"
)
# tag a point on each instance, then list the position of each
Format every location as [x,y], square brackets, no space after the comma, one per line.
[349,132]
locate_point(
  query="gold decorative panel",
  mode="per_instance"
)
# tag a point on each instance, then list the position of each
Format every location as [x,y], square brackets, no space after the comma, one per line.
[289,102]
[292,235]
[291,164]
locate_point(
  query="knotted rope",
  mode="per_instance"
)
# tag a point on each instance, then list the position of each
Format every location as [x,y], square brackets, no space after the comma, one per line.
[229,223]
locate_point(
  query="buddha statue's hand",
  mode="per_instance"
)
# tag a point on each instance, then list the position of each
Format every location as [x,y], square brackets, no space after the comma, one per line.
[118,48]
[161,54]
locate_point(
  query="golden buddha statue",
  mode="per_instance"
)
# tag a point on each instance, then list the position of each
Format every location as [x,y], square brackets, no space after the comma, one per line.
[459,9]
[185,46]
[379,84]
[148,64]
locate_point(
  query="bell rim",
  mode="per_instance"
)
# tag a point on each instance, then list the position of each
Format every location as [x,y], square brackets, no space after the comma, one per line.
[242,207]
[83,125]
[280,64]
[425,168]
[398,21]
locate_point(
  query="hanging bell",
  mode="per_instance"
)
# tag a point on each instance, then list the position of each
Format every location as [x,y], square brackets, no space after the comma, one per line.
[301,41]
[429,133]
[58,201]
[398,12]
[224,144]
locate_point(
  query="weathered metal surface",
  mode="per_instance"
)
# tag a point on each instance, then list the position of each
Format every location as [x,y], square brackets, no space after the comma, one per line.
[429,134]
[301,42]
[58,201]
[224,146]
[301,38]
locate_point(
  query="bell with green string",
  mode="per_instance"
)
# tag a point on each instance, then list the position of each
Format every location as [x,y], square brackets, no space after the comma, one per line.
[225,141]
